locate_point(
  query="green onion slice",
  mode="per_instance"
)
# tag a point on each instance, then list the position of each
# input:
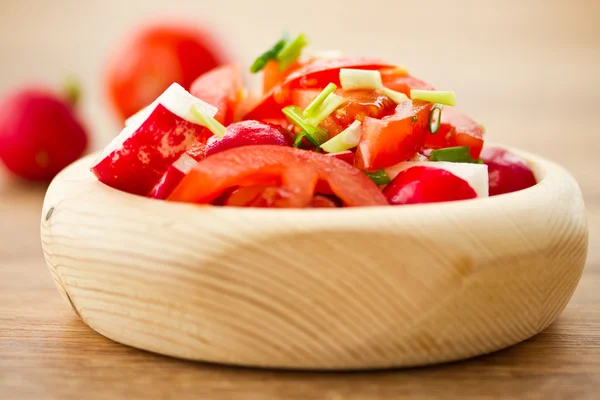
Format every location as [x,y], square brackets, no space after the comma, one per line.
[304,135]
[435,118]
[434,96]
[208,121]
[453,154]
[345,140]
[379,177]
[331,103]
[291,51]
[294,113]
[314,105]
[360,79]
[267,56]
[396,97]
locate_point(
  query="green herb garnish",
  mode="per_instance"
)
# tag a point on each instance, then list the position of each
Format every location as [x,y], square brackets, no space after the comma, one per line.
[461,154]
[379,177]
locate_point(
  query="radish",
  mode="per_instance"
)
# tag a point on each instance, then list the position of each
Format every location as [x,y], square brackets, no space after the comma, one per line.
[173,176]
[248,133]
[475,174]
[151,142]
[507,171]
[39,134]
[426,184]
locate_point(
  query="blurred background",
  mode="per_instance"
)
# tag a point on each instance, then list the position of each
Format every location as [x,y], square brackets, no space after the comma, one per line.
[526,69]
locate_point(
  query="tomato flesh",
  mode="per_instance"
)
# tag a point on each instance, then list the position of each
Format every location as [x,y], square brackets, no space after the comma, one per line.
[222,88]
[457,129]
[314,73]
[393,139]
[296,172]
[418,185]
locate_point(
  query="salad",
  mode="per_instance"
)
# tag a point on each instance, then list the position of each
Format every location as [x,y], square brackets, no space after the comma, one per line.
[325,131]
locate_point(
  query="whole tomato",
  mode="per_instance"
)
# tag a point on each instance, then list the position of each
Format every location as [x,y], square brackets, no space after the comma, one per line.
[153,58]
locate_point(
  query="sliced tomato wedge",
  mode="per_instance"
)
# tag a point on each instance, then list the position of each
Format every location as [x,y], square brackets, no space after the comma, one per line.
[457,129]
[272,76]
[222,88]
[360,104]
[401,82]
[314,73]
[294,173]
[393,139]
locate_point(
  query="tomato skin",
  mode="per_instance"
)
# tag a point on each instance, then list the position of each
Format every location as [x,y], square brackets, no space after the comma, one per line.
[457,129]
[420,184]
[272,76]
[393,139]
[314,73]
[507,172]
[295,171]
[155,57]
[222,88]
[404,83]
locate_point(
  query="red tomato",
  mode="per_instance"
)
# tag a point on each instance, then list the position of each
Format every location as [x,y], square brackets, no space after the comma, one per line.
[294,173]
[456,129]
[401,82]
[154,58]
[360,104]
[221,87]
[393,139]
[427,185]
[507,171]
[314,73]
[272,76]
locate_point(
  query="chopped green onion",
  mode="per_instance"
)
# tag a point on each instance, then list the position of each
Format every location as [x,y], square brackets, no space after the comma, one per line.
[267,56]
[292,51]
[434,96]
[379,177]
[312,107]
[331,103]
[303,135]
[209,122]
[396,97]
[435,118]
[356,79]
[294,113]
[453,154]
[345,140]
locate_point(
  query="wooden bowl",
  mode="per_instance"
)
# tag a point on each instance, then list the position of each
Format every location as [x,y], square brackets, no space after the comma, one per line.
[352,288]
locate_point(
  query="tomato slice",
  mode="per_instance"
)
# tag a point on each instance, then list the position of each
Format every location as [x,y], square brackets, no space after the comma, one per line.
[401,82]
[457,129]
[314,73]
[295,172]
[222,88]
[393,139]
[360,104]
[272,76]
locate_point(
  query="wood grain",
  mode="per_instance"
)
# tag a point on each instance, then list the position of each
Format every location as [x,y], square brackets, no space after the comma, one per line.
[343,289]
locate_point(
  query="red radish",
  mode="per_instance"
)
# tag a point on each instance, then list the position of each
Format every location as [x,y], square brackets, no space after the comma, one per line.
[476,175]
[347,156]
[427,185]
[39,134]
[178,170]
[248,133]
[507,171]
[138,158]
[173,176]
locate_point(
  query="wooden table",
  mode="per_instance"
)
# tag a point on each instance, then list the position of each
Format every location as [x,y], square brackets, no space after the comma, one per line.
[46,352]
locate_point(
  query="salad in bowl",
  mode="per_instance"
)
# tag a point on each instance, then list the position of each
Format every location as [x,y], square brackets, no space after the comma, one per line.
[325,131]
